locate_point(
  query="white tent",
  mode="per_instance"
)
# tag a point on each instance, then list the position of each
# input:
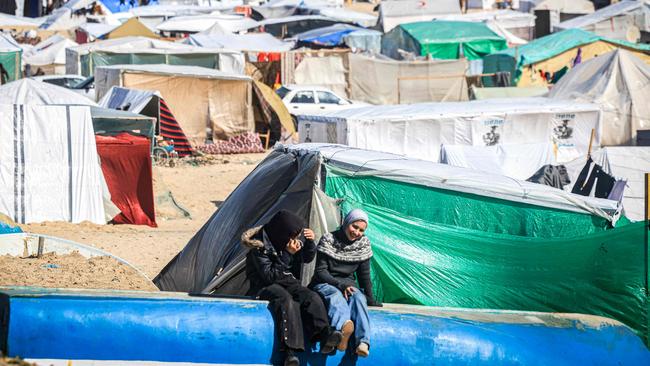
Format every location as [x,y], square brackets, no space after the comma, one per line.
[19,23]
[84,58]
[623,20]
[519,24]
[30,91]
[395,12]
[49,54]
[200,23]
[254,42]
[558,6]
[419,130]
[50,169]
[66,17]
[622,162]
[620,83]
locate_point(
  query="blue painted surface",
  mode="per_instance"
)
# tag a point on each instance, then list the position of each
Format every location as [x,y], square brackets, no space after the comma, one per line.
[59,325]
[8,229]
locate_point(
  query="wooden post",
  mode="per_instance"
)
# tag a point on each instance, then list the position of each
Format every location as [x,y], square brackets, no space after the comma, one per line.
[41,245]
[591,141]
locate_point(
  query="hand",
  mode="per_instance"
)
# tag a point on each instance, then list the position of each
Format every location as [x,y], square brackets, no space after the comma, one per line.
[348,292]
[309,234]
[294,246]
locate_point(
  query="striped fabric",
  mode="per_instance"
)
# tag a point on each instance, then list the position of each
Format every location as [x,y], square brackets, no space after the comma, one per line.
[171,130]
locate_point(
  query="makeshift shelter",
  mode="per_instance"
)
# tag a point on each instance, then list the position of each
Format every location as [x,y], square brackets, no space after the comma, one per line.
[394,13]
[520,24]
[620,83]
[290,26]
[331,36]
[17,23]
[624,20]
[545,59]
[10,57]
[85,58]
[366,40]
[346,15]
[149,103]
[131,28]
[419,130]
[630,163]
[30,91]
[126,164]
[49,55]
[250,42]
[428,246]
[50,166]
[199,97]
[442,40]
[200,23]
[379,81]
[72,14]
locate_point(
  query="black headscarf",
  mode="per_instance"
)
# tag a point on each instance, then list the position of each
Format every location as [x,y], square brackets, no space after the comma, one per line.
[283,226]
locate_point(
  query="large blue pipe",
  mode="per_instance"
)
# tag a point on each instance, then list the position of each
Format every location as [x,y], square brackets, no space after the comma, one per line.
[171,327]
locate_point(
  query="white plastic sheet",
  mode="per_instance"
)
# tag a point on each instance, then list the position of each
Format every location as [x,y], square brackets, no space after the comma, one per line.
[49,170]
[30,91]
[419,130]
[325,71]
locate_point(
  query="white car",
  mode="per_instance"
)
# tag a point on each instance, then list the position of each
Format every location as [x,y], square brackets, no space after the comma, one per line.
[313,100]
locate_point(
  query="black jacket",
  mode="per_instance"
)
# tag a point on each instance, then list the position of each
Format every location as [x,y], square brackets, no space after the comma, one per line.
[265,266]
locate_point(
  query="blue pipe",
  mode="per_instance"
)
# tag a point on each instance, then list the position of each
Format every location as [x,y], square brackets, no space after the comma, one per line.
[96,325]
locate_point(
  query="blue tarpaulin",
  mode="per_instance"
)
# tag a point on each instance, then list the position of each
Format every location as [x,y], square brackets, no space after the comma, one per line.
[327,36]
[8,229]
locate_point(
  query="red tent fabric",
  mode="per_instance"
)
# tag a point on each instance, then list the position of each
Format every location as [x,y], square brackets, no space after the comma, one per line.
[126,163]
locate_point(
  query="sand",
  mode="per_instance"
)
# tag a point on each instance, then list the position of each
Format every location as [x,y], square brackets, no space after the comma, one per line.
[200,189]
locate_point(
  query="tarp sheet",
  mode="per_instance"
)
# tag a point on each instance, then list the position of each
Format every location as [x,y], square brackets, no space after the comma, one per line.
[418,130]
[325,71]
[364,40]
[623,162]
[10,56]
[619,82]
[507,92]
[394,13]
[126,164]
[50,169]
[614,21]
[516,161]
[442,39]
[258,42]
[379,81]
[49,52]
[30,91]
[327,36]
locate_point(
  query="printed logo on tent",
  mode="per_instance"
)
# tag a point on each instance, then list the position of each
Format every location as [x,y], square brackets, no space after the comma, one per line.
[563,131]
[492,137]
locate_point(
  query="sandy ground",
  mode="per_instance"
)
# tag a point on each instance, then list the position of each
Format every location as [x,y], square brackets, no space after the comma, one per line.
[200,189]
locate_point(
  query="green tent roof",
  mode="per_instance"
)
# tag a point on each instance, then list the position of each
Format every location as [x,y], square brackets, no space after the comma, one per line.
[556,43]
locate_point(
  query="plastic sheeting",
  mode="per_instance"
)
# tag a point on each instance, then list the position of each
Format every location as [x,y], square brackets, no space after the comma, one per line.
[325,71]
[418,130]
[507,92]
[327,36]
[195,24]
[49,52]
[516,161]
[442,39]
[50,167]
[394,13]
[126,164]
[364,40]
[619,82]
[379,81]
[623,162]
[257,42]
[30,91]
[621,20]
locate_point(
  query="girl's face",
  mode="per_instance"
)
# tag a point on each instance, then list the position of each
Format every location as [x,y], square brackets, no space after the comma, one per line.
[355,230]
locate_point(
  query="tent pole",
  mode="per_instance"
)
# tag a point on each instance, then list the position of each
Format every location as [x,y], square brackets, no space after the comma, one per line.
[591,140]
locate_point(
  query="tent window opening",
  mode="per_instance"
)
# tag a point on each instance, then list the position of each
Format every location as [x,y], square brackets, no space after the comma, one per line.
[303,97]
[327,98]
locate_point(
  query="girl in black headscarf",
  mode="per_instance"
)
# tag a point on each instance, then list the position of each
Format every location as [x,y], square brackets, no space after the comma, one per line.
[273,267]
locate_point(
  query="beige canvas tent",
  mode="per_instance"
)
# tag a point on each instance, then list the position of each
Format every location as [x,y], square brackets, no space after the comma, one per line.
[620,83]
[199,97]
[380,81]
[131,28]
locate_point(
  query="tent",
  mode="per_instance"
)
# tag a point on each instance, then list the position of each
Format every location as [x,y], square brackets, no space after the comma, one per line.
[429,247]
[49,55]
[10,57]
[366,40]
[442,40]
[30,91]
[419,130]
[623,162]
[17,23]
[126,164]
[552,54]
[251,42]
[290,26]
[620,83]
[623,20]
[50,165]
[149,103]
[378,81]
[131,28]
[394,13]
[507,92]
[72,14]
[200,23]
[85,58]
[199,97]
[332,36]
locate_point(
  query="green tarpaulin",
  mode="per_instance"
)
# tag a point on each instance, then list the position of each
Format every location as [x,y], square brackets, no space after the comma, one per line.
[443,248]
[443,40]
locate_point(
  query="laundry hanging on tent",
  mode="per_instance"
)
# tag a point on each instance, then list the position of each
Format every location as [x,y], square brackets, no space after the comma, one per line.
[593,176]
[551,175]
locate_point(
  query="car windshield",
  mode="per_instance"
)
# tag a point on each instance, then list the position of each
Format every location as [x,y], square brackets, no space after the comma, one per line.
[282,92]
[83,84]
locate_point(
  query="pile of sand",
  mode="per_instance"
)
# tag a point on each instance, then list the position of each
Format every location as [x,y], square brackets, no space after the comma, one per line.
[71,271]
